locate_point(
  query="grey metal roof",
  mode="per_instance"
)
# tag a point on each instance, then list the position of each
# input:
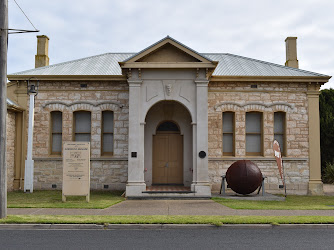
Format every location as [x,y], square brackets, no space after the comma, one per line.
[228,65]
[105,64]
[233,65]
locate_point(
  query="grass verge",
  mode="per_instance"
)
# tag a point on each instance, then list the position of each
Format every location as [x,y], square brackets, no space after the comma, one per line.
[292,202]
[164,219]
[52,199]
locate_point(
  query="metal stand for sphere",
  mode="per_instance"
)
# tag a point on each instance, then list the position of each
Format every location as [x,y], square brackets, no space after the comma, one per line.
[222,187]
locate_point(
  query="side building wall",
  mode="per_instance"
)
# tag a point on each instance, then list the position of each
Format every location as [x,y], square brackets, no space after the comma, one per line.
[267,98]
[107,172]
[10,149]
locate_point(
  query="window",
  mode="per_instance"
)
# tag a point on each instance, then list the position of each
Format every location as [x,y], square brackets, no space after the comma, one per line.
[253,133]
[279,129]
[107,132]
[228,133]
[56,132]
[168,126]
[82,126]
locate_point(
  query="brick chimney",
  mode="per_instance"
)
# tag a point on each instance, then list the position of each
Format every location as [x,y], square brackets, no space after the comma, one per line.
[291,52]
[42,57]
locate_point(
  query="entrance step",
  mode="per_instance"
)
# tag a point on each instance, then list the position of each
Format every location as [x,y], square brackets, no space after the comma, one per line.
[168,192]
[168,196]
[174,192]
[167,189]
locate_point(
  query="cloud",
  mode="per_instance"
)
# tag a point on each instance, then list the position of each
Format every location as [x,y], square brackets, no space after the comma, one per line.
[255,29]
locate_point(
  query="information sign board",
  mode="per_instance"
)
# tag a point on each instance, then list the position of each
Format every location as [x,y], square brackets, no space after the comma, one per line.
[76,169]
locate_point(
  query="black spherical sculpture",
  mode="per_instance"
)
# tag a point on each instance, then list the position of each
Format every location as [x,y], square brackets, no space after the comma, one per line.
[243,177]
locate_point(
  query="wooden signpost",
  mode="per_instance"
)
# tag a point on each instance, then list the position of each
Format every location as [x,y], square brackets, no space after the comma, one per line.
[76,169]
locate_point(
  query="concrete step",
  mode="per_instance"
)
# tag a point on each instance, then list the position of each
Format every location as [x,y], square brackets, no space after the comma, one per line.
[168,195]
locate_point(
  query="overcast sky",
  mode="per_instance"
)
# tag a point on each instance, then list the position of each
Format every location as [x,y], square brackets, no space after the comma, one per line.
[255,29]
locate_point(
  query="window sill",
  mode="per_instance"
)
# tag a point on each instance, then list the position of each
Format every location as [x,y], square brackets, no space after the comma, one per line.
[256,158]
[60,158]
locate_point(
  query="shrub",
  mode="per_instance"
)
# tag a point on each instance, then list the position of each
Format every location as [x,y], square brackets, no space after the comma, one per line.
[328,175]
[326,102]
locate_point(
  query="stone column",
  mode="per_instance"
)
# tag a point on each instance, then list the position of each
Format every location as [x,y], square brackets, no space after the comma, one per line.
[201,177]
[315,183]
[136,183]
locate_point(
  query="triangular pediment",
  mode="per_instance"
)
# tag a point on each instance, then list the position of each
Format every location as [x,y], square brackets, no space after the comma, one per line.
[168,52]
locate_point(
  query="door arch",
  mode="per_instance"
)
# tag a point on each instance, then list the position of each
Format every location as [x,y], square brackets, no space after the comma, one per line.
[167,156]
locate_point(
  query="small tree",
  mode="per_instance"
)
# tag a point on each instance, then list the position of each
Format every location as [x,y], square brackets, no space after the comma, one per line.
[326,102]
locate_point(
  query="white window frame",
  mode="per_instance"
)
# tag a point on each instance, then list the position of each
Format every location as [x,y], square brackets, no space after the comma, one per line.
[260,133]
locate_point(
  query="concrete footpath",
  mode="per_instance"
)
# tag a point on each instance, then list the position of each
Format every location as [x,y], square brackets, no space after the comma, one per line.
[163,207]
[167,207]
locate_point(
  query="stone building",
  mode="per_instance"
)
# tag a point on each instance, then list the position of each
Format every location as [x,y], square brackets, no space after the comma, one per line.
[169,115]
[14,144]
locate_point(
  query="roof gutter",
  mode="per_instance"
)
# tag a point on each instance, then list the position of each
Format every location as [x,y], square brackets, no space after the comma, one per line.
[14,107]
[69,77]
[320,79]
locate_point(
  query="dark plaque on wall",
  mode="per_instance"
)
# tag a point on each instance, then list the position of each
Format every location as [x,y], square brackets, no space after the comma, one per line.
[134,154]
[202,154]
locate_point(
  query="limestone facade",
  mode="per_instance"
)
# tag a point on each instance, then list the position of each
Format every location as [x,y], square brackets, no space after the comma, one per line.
[107,172]
[267,98]
[111,172]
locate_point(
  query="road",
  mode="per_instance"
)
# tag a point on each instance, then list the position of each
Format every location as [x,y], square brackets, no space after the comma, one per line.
[223,238]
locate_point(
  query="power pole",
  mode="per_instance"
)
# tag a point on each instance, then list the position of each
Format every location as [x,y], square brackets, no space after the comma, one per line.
[3,105]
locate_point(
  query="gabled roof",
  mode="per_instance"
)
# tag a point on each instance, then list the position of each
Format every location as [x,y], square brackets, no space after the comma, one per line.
[107,66]
[234,65]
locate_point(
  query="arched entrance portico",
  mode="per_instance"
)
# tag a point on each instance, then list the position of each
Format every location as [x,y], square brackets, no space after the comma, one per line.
[168,82]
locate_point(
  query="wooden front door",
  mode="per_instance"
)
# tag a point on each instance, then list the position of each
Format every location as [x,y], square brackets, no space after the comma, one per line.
[167,158]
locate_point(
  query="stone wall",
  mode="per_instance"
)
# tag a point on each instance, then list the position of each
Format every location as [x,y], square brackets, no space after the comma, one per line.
[297,174]
[267,98]
[237,97]
[113,173]
[69,97]
[10,149]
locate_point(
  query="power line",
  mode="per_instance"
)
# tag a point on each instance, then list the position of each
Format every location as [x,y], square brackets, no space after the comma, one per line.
[24,14]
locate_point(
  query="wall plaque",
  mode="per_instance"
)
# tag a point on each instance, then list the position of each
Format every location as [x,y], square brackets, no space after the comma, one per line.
[76,169]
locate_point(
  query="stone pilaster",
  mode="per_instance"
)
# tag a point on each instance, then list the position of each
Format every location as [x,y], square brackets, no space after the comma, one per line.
[136,183]
[201,177]
[194,134]
[315,183]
